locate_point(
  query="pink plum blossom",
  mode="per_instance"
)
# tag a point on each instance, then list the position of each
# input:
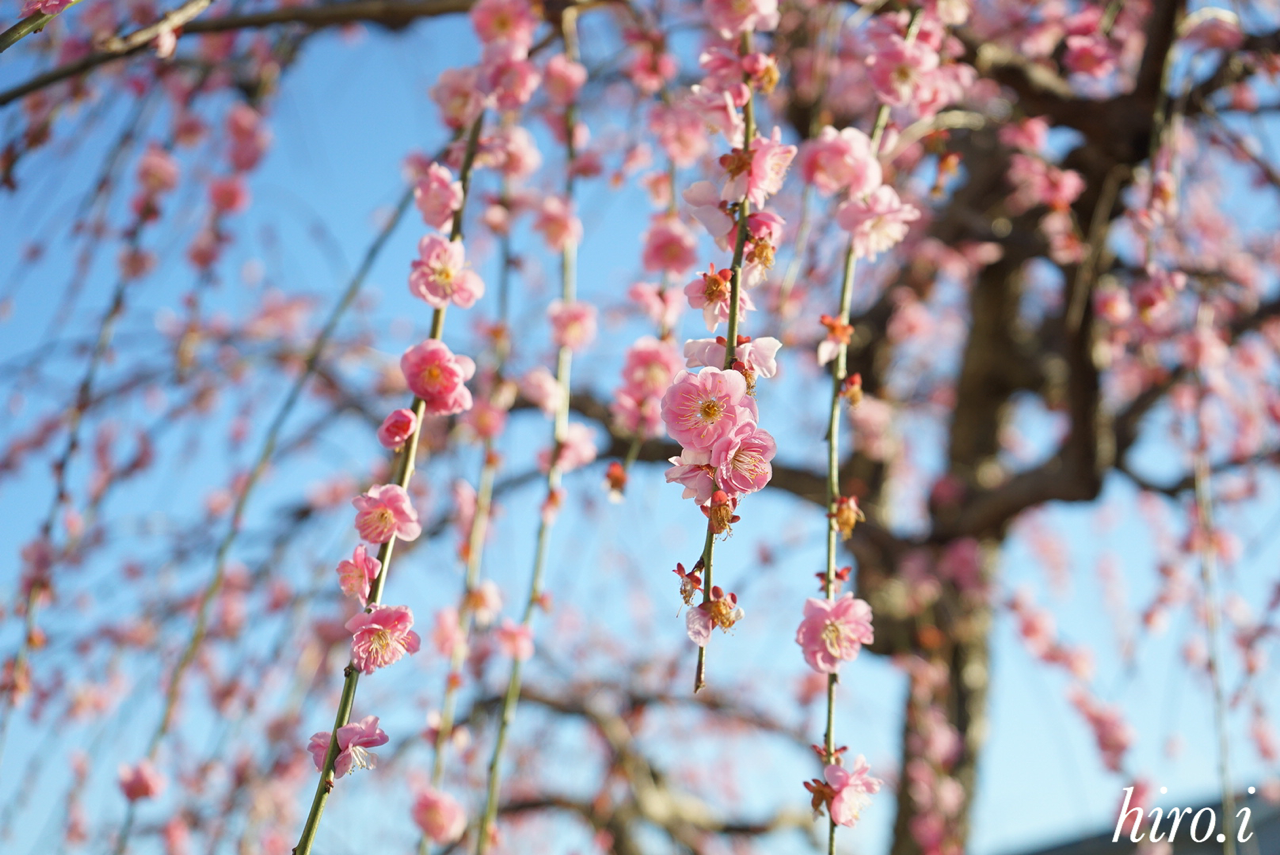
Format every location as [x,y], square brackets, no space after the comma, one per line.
[651,67]
[877,222]
[447,635]
[636,415]
[900,69]
[504,21]
[712,293]
[1037,182]
[720,610]
[508,74]
[484,601]
[384,512]
[663,307]
[249,138]
[439,275]
[762,176]
[733,17]
[157,170]
[758,355]
[1211,28]
[832,632]
[354,742]
[707,208]
[542,389]
[457,93]
[516,152]
[486,418]
[48,7]
[650,365]
[1112,732]
[700,408]
[141,781]
[577,450]
[852,790]
[669,247]
[562,79]
[136,263]
[693,471]
[1090,54]
[741,458]
[680,131]
[356,574]
[440,817]
[573,325]
[437,196]
[1029,135]
[438,377]
[515,640]
[840,160]
[381,637]
[718,111]
[228,194]
[397,427]
[557,224]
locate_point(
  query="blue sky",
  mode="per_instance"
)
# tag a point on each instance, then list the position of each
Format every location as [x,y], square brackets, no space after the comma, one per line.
[348,113]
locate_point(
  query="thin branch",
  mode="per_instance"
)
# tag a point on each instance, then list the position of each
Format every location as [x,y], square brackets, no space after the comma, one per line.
[393,15]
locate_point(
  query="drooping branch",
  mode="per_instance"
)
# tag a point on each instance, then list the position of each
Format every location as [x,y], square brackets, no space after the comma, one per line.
[392,14]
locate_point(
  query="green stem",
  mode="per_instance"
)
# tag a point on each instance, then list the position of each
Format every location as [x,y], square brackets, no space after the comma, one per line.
[564,365]
[731,338]
[466,616]
[838,372]
[1209,579]
[33,23]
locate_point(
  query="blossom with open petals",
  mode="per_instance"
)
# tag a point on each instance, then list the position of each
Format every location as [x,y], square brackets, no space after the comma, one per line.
[384,512]
[720,610]
[440,817]
[515,639]
[877,221]
[833,631]
[437,195]
[741,458]
[439,275]
[700,408]
[573,325]
[438,376]
[354,742]
[381,637]
[357,574]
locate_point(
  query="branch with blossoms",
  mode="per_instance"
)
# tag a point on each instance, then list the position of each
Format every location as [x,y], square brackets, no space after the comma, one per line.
[249,140]
[834,630]
[382,635]
[712,414]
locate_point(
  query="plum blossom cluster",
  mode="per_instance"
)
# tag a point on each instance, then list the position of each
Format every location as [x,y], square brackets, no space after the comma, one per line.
[842,792]
[647,373]
[709,406]
[381,635]
[724,452]
[844,162]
